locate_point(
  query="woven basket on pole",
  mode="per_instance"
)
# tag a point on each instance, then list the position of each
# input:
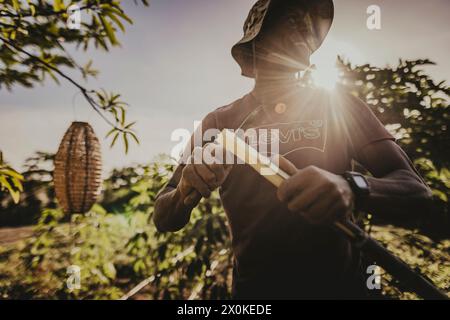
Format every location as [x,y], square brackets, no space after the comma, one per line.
[78,167]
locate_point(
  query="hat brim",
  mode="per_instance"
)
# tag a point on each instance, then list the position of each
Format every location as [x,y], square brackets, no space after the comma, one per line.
[242,51]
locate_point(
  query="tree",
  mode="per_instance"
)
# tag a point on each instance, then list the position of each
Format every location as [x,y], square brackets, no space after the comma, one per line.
[416,110]
[34,193]
[10,180]
[34,44]
[409,100]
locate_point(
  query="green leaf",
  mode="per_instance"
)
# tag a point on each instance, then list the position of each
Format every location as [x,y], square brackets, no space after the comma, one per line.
[125,141]
[15,195]
[58,5]
[116,20]
[16,5]
[109,270]
[110,132]
[32,10]
[133,135]
[109,30]
[128,126]
[122,15]
[11,173]
[114,139]
[122,118]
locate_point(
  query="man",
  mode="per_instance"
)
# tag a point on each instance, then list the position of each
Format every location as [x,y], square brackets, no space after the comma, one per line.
[282,241]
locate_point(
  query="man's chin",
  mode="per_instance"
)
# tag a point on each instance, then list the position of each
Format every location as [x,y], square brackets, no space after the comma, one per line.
[285,63]
[278,68]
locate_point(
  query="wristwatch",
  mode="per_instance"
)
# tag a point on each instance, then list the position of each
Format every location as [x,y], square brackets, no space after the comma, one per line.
[359,185]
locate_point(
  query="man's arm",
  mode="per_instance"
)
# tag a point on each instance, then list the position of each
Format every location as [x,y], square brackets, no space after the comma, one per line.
[171,214]
[324,197]
[396,187]
[188,185]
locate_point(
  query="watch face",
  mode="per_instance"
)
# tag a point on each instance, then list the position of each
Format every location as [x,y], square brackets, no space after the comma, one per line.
[360,182]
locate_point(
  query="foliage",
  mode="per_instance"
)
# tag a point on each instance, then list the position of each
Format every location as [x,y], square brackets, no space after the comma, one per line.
[35,43]
[430,258]
[38,268]
[10,180]
[116,252]
[117,246]
[410,102]
[38,192]
[416,110]
[439,182]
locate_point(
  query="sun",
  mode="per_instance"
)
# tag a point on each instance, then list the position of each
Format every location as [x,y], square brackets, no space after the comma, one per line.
[325,76]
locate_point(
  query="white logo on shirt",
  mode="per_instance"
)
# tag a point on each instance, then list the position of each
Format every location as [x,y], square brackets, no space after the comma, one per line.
[296,135]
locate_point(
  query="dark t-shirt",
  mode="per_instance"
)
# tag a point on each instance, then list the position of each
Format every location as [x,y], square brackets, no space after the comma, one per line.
[277,254]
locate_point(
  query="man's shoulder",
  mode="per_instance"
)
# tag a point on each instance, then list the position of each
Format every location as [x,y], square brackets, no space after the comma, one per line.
[340,102]
[354,105]
[230,115]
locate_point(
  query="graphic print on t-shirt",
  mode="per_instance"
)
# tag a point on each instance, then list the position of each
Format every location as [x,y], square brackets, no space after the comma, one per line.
[291,136]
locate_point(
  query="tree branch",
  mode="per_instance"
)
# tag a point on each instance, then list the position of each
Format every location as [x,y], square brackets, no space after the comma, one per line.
[83,90]
[49,13]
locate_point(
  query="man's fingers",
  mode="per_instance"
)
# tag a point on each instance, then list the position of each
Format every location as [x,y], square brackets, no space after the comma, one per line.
[219,172]
[195,180]
[292,186]
[204,172]
[286,189]
[304,200]
[301,180]
[286,165]
[208,177]
[192,199]
[199,183]
[216,162]
[319,211]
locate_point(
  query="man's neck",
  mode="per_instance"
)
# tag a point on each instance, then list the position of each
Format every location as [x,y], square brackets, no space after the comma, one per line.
[270,85]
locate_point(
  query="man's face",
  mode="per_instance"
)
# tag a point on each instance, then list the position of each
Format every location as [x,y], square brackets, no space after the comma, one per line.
[281,46]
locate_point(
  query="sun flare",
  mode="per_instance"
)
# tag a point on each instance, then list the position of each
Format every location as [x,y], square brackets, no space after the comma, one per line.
[326,76]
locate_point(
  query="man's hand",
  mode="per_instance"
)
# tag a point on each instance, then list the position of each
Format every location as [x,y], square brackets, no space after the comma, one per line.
[201,175]
[320,196]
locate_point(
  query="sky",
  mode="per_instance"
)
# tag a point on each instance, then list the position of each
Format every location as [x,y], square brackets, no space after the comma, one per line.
[175,66]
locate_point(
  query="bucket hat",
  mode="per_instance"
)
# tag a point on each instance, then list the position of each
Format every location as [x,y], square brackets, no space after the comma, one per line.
[316,19]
